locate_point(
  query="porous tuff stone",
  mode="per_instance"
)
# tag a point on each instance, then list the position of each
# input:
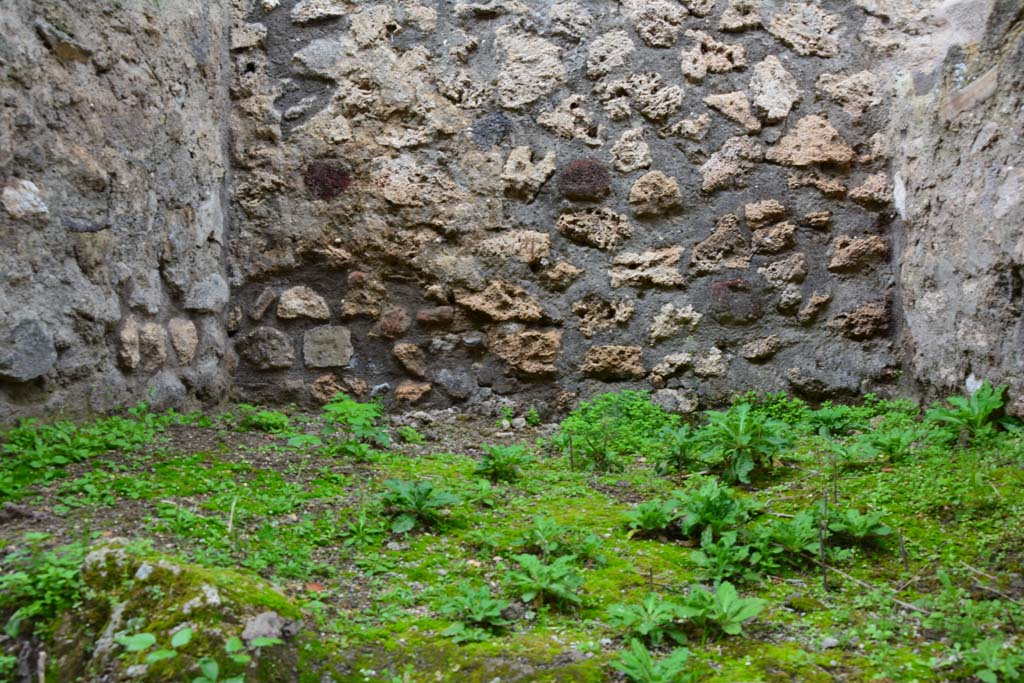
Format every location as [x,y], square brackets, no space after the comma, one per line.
[657,268]
[601,227]
[654,193]
[812,141]
[614,362]
[529,353]
[851,254]
[266,348]
[502,301]
[302,302]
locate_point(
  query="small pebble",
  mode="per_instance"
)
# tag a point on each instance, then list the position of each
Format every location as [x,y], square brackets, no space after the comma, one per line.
[829,643]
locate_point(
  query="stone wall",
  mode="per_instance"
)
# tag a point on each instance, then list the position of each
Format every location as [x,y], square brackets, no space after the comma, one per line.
[444,201]
[113,191]
[959,171]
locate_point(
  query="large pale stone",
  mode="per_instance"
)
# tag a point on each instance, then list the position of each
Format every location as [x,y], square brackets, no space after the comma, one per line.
[22,200]
[614,362]
[654,193]
[807,29]
[327,347]
[502,301]
[302,302]
[631,153]
[671,320]
[811,141]
[531,67]
[735,106]
[266,349]
[523,177]
[529,353]
[657,268]
[726,247]
[609,52]
[597,313]
[775,90]
[725,167]
[710,56]
[184,339]
[152,346]
[856,93]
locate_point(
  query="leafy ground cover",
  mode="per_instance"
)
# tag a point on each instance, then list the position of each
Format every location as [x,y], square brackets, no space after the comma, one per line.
[771,541]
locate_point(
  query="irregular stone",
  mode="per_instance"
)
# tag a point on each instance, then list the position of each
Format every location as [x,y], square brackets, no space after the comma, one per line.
[128,344]
[570,19]
[775,91]
[760,350]
[597,313]
[490,130]
[209,295]
[726,247]
[631,153]
[373,25]
[807,29]
[531,67]
[457,384]
[529,353]
[711,56]
[412,392]
[735,106]
[670,366]
[412,359]
[327,347]
[763,213]
[737,157]
[740,15]
[676,401]
[306,11]
[790,269]
[22,200]
[28,352]
[585,180]
[658,22]
[247,35]
[809,313]
[856,93]
[656,268]
[571,121]
[326,387]
[832,188]
[694,128]
[266,349]
[851,254]
[874,192]
[263,303]
[811,141]
[735,302]
[713,364]
[671,320]
[700,8]
[522,177]
[560,276]
[527,246]
[435,317]
[614,362]
[864,322]
[774,239]
[184,339]
[820,220]
[502,301]
[609,52]
[267,625]
[652,98]
[302,302]
[152,347]
[654,193]
[393,322]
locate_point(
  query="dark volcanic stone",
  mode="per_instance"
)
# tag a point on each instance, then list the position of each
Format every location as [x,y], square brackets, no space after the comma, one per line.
[490,130]
[736,302]
[326,181]
[585,179]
